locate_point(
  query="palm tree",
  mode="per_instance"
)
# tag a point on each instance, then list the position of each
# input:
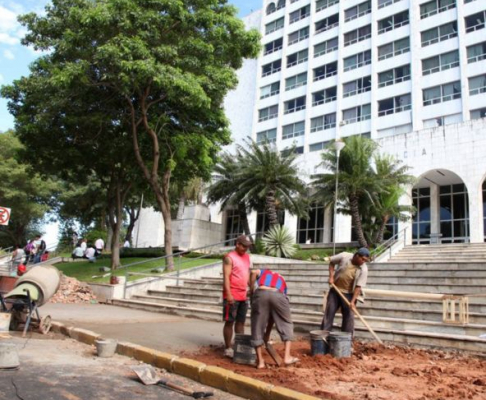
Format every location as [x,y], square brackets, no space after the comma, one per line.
[271,176]
[356,177]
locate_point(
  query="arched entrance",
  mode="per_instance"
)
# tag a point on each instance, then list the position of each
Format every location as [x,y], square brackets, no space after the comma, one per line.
[442,203]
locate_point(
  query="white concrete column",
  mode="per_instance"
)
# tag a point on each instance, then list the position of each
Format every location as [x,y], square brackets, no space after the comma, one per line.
[474,190]
[434,208]
[406,200]
[291,224]
[343,229]
[328,225]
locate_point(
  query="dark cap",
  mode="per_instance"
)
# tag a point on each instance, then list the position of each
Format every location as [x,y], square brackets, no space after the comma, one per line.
[363,252]
[244,240]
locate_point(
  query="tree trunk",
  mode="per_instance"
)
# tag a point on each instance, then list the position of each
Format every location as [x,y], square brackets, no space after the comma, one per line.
[244,219]
[133,214]
[109,236]
[353,205]
[271,208]
[381,230]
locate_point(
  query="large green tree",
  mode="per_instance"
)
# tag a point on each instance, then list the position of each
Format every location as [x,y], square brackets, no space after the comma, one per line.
[29,195]
[167,65]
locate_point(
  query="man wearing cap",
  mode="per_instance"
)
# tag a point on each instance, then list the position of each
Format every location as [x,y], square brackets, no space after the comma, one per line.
[350,277]
[236,275]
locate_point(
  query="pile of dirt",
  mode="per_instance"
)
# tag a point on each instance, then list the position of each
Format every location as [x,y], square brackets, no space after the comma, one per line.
[72,291]
[373,372]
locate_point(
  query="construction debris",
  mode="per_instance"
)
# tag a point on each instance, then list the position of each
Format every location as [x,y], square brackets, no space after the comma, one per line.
[73,291]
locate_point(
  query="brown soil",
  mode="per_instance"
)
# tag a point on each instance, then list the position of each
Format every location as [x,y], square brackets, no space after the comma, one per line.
[373,372]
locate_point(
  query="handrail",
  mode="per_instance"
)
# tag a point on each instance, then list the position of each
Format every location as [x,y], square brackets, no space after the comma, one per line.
[388,244]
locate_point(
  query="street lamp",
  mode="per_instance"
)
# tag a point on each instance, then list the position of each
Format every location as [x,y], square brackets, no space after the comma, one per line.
[338,146]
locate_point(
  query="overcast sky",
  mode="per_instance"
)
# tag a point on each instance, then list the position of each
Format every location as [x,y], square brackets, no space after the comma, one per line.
[15,58]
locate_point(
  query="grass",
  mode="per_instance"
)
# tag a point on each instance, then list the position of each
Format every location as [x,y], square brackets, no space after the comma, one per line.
[316,255]
[85,271]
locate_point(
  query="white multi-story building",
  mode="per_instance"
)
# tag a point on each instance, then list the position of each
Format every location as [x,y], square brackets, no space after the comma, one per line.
[410,74]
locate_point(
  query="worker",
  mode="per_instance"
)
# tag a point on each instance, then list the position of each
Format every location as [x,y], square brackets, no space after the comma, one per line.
[236,275]
[270,305]
[349,277]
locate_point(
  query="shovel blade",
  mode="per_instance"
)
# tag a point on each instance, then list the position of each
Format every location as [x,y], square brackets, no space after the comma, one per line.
[147,374]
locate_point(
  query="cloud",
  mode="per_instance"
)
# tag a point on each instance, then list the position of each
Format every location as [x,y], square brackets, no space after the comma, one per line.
[5,38]
[8,20]
[8,54]
[1,78]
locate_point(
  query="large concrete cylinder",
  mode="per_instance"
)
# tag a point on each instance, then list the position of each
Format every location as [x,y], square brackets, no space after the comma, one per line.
[46,278]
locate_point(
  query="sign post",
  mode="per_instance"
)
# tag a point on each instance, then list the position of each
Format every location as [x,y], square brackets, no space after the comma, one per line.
[4,215]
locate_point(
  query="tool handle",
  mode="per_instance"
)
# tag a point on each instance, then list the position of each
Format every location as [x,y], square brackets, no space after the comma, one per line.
[182,389]
[357,313]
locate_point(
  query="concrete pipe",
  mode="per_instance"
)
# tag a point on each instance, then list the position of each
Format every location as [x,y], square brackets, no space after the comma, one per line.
[46,278]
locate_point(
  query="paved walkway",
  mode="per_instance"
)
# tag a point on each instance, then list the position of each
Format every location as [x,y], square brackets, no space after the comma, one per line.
[169,333]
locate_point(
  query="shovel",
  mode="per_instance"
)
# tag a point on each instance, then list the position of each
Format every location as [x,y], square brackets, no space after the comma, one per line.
[148,375]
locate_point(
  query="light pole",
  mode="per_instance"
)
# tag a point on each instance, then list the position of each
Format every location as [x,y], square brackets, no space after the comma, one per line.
[338,146]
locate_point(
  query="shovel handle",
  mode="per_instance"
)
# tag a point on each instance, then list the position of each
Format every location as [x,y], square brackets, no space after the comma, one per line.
[182,389]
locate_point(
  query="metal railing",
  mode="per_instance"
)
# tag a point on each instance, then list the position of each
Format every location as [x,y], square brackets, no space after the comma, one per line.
[388,244]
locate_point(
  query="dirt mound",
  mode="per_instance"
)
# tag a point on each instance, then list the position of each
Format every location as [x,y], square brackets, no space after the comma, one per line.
[72,291]
[373,372]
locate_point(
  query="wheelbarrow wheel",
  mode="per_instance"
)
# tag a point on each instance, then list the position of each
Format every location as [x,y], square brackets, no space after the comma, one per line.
[45,324]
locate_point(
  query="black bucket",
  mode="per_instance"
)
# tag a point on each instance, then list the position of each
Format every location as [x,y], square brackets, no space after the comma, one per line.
[340,344]
[319,342]
[244,353]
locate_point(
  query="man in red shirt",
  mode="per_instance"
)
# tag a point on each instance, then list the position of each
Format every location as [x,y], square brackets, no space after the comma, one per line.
[236,275]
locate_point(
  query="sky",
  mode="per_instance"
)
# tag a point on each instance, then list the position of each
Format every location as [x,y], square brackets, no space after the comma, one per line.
[15,58]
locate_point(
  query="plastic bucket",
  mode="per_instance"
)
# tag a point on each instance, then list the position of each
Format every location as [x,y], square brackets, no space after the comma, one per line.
[244,353]
[5,321]
[340,344]
[106,348]
[9,358]
[319,342]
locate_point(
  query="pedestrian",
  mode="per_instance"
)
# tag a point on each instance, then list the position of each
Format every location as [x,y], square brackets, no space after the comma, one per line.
[236,274]
[84,244]
[77,252]
[126,245]
[99,246]
[90,253]
[18,256]
[40,248]
[270,305]
[350,277]
[29,250]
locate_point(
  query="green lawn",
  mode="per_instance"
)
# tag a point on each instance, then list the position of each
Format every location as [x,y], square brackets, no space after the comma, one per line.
[85,271]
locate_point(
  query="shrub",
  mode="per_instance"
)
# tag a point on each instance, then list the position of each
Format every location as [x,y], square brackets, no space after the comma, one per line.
[142,252]
[279,242]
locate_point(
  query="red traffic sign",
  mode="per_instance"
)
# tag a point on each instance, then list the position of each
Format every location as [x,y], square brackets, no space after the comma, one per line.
[4,215]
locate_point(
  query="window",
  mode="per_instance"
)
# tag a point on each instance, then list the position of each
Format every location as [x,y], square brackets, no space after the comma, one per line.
[292,150]
[360,85]
[324,96]
[270,90]
[293,130]
[358,60]
[477,85]
[294,105]
[476,53]
[325,71]
[273,46]
[296,81]
[274,25]
[454,213]
[299,35]
[442,93]
[323,122]
[394,49]
[271,8]
[465,2]
[302,13]
[319,146]
[385,3]
[356,114]
[439,34]
[477,114]
[392,22]
[271,68]
[326,47]
[311,230]
[327,23]
[440,63]
[234,227]
[297,58]
[280,4]
[395,105]
[421,226]
[475,21]
[269,135]
[322,4]
[395,75]
[436,6]
[268,113]
[357,11]
[357,35]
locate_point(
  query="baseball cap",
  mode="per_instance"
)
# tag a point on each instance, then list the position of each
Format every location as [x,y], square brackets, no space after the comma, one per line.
[363,252]
[244,240]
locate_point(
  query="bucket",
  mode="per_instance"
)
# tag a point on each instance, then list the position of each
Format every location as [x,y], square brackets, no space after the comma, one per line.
[9,358]
[340,344]
[113,280]
[244,353]
[106,347]
[5,321]
[319,342]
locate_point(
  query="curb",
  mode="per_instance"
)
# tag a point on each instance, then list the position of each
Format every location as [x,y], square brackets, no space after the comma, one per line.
[216,377]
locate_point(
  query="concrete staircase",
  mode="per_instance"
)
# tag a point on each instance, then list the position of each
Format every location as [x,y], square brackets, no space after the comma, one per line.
[406,321]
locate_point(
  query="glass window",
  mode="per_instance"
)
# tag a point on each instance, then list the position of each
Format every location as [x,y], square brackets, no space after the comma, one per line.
[294,105]
[475,21]
[477,114]
[299,14]
[296,81]
[268,135]
[268,113]
[323,122]
[326,47]
[299,35]
[293,130]
[476,53]
[274,25]
[311,230]
[327,23]
[322,4]
[297,58]
[477,85]
[273,46]
[270,90]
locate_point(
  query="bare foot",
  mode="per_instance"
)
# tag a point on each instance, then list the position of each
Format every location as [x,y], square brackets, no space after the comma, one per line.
[261,366]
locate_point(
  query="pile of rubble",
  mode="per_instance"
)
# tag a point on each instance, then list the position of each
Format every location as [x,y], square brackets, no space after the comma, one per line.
[73,291]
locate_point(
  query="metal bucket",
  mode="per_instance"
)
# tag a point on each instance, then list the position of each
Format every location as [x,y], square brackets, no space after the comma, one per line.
[244,353]
[5,321]
[106,348]
[340,344]
[319,342]
[9,358]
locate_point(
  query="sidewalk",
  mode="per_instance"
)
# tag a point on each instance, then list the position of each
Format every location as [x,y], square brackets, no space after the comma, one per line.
[169,333]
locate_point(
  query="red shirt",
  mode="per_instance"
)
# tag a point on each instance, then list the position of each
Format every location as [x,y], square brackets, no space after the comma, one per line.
[240,274]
